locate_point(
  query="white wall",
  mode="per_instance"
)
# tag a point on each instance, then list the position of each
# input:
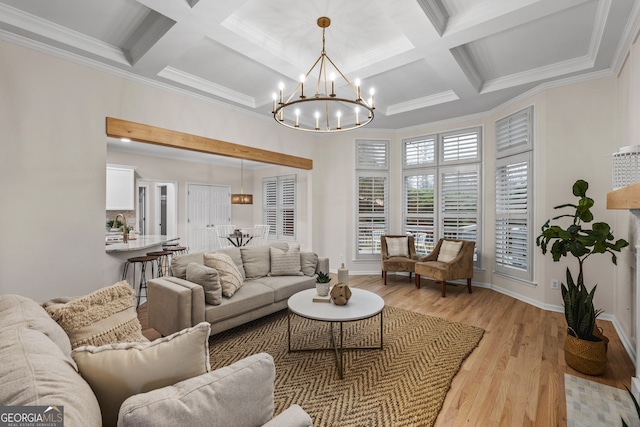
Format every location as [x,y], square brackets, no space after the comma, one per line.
[52,125]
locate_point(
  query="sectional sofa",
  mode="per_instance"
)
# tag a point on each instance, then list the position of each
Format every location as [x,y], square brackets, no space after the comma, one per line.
[231,286]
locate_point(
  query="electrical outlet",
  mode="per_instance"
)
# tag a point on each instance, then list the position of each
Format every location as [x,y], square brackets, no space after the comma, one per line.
[555,284]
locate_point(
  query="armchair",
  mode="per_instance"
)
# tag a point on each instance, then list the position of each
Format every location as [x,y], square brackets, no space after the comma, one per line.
[398,253]
[451,259]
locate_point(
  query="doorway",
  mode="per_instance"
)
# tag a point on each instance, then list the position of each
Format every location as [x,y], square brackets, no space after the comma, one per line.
[157,207]
[208,205]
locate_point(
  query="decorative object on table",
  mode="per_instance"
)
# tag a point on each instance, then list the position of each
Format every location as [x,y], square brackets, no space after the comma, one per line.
[323,281]
[585,346]
[343,275]
[340,294]
[318,298]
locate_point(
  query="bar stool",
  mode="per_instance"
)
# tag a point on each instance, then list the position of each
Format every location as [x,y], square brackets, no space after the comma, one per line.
[163,260]
[142,260]
[177,250]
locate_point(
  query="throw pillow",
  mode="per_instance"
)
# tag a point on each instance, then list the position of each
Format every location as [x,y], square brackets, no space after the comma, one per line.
[397,246]
[239,394]
[209,279]
[449,250]
[179,263]
[285,263]
[308,263]
[105,316]
[118,371]
[236,256]
[255,260]
[230,277]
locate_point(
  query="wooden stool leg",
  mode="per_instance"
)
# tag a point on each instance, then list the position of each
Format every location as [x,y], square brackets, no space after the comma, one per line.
[442,287]
[469,285]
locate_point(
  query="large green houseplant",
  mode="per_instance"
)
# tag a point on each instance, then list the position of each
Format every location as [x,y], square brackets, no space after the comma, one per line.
[581,242]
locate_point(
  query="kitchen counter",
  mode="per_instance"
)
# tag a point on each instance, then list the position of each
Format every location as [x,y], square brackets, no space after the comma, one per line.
[142,242]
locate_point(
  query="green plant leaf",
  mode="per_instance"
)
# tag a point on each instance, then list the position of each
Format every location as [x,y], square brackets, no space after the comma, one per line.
[580,188]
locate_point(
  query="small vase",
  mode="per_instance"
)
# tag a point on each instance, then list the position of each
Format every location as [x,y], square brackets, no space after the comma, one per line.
[322,289]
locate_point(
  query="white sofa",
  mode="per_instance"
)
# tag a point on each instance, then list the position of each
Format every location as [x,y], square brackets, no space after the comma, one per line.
[37,370]
[175,303]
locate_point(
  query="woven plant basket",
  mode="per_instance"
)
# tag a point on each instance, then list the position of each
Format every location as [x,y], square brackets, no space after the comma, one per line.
[588,357]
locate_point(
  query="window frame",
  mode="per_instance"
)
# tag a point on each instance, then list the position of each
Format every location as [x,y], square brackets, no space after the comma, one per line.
[514,145]
[440,165]
[366,167]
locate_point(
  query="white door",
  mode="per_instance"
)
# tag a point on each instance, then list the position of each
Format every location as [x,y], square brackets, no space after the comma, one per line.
[208,205]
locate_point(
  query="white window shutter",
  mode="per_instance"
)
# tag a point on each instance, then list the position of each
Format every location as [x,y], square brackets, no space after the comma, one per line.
[513,216]
[514,134]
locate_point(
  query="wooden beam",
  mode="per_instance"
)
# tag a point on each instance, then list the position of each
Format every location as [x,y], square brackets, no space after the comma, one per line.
[118,128]
[624,198]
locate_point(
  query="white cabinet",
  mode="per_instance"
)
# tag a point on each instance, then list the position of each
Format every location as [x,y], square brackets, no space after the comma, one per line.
[120,188]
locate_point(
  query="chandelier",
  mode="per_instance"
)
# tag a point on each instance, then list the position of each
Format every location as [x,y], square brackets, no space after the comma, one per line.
[324,110]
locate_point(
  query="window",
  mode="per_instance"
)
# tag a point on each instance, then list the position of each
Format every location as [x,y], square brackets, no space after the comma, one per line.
[279,206]
[514,201]
[441,188]
[372,163]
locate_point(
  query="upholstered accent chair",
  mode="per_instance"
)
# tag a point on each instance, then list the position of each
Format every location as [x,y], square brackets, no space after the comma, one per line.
[398,253]
[451,259]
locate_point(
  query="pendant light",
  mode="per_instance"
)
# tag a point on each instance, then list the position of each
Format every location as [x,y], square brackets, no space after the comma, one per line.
[241,198]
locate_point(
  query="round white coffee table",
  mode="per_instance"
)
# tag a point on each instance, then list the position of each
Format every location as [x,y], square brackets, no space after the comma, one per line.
[362,305]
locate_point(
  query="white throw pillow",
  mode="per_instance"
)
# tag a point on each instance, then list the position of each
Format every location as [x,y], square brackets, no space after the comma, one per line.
[397,246]
[118,371]
[230,276]
[449,250]
[286,263]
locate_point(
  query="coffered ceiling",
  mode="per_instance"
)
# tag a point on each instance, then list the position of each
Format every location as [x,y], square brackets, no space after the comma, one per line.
[428,60]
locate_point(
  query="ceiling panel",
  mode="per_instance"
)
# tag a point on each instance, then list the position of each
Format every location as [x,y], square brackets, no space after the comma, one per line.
[526,47]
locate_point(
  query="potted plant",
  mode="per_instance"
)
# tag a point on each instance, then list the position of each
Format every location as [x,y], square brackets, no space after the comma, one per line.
[585,347]
[322,283]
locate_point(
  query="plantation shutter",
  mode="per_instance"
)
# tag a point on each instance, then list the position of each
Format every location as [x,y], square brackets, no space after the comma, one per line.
[514,190]
[279,206]
[419,151]
[372,154]
[459,195]
[514,133]
[460,146]
[419,210]
[372,212]
[513,234]
[287,208]
[270,205]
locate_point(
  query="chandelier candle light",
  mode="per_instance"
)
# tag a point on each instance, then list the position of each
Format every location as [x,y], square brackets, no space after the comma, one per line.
[332,112]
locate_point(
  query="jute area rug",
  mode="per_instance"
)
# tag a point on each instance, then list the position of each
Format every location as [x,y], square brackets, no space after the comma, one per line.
[404,384]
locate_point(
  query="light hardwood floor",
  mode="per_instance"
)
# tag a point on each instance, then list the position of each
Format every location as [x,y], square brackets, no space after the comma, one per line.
[515,377]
